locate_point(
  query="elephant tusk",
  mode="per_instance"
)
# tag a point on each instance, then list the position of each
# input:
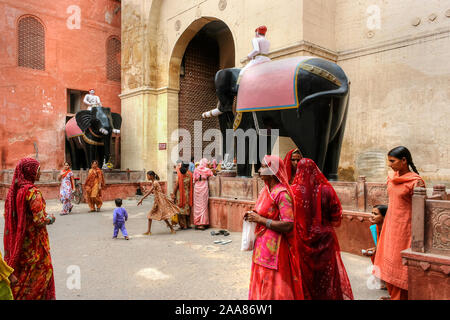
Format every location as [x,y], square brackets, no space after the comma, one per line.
[212,113]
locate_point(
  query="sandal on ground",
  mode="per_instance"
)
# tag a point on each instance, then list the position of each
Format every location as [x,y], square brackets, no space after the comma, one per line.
[127,238]
[173,231]
[63,214]
[385,298]
[98,209]
[215,233]
[147,233]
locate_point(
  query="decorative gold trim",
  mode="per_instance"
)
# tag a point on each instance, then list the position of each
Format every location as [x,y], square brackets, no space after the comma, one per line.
[92,142]
[321,73]
[95,135]
[237,121]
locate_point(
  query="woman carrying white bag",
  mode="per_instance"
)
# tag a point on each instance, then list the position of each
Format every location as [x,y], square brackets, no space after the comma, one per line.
[275,271]
[248,235]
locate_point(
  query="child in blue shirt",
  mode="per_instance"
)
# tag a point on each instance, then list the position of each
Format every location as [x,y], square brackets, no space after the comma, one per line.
[119,218]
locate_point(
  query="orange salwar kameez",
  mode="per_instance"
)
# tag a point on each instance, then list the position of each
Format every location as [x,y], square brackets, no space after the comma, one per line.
[396,235]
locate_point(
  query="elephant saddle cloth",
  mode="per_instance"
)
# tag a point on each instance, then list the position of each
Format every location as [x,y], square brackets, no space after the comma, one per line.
[72,129]
[270,85]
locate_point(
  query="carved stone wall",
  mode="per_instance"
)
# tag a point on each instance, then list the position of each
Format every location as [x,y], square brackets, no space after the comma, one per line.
[437,227]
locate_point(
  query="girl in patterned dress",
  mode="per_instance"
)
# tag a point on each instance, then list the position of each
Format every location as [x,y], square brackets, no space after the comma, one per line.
[163,207]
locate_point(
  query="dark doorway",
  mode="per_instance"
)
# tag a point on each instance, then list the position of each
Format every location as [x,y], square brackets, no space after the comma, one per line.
[197,93]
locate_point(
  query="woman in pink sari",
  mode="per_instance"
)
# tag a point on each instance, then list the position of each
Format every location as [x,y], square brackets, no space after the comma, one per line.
[275,267]
[318,211]
[201,194]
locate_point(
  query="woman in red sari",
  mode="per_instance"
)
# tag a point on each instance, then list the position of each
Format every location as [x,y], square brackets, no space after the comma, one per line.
[318,211]
[26,242]
[275,271]
[290,162]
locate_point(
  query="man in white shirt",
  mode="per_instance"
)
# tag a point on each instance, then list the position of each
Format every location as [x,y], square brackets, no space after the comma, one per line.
[92,100]
[260,51]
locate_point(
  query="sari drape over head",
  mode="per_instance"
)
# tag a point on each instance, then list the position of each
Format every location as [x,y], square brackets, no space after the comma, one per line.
[201,193]
[26,242]
[317,206]
[94,181]
[275,271]
[287,163]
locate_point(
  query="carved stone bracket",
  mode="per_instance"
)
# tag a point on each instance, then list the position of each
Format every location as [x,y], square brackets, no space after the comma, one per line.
[425,266]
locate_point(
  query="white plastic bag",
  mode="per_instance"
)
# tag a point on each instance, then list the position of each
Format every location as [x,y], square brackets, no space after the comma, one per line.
[248,235]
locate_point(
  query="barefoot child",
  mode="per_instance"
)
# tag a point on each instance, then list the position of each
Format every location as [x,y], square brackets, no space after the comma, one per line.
[163,207]
[119,218]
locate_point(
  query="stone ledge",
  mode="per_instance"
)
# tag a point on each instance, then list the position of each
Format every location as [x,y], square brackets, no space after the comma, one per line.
[426,261]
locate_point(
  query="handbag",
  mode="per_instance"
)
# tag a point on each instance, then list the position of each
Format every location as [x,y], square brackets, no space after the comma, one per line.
[248,235]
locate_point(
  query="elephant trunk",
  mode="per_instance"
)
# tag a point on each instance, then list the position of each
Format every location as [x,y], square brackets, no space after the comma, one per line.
[212,113]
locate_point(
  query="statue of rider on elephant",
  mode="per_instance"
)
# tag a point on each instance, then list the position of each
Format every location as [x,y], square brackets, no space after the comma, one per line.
[89,133]
[305,98]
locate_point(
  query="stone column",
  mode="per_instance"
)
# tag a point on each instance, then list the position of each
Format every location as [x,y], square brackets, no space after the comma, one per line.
[418,220]
[439,190]
[361,196]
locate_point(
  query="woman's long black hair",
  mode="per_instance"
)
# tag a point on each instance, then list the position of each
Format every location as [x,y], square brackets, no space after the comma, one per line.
[403,152]
[153,174]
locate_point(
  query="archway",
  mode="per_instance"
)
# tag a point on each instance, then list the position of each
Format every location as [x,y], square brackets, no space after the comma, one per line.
[205,47]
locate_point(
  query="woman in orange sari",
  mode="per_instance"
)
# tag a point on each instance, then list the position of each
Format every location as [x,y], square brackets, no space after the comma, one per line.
[318,211]
[183,196]
[27,248]
[94,184]
[275,271]
[396,233]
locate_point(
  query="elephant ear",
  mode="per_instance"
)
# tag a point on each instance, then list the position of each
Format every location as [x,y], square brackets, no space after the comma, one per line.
[84,119]
[117,120]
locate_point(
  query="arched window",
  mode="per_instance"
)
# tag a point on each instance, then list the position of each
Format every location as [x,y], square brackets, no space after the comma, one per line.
[113,59]
[31,48]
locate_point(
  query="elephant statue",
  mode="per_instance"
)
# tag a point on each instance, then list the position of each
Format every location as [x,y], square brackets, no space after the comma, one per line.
[89,136]
[315,121]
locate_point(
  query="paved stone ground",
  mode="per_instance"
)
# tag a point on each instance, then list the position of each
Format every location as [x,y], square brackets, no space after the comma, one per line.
[186,265]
